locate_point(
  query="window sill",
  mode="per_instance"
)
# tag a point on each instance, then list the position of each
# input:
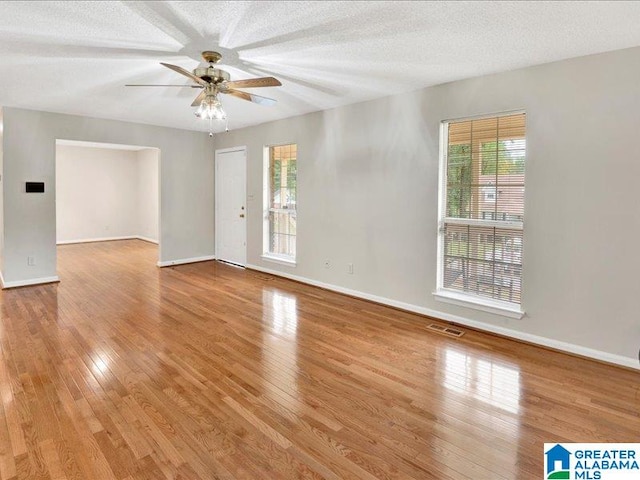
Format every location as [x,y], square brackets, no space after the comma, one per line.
[505,309]
[289,262]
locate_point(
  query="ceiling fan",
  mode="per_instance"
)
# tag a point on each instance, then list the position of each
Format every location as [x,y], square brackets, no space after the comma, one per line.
[212,81]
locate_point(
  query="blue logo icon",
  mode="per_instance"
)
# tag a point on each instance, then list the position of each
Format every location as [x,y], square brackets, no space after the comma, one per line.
[558,463]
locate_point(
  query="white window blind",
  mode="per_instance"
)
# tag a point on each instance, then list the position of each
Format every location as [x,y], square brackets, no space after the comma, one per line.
[482,209]
[281,201]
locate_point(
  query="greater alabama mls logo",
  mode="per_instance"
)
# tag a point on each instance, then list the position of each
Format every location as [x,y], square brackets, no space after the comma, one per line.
[592,461]
[557,462]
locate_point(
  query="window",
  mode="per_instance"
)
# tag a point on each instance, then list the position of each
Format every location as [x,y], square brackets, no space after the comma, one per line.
[482,212]
[280,202]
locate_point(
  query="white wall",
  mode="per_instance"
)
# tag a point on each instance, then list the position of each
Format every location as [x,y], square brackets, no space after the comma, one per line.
[186,184]
[368,195]
[1,193]
[106,193]
[96,193]
[147,194]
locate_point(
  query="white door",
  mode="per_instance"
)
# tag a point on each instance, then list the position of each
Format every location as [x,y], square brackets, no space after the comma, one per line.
[231,211]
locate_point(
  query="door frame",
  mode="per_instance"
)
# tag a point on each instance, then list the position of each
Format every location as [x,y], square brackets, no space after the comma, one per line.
[241,148]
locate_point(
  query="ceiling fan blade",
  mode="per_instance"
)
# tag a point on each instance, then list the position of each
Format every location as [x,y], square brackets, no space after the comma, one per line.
[199,99]
[156,85]
[254,82]
[250,97]
[186,73]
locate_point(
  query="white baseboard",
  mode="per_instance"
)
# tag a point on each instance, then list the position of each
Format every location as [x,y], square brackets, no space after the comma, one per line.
[91,240]
[507,332]
[147,239]
[107,239]
[26,283]
[182,261]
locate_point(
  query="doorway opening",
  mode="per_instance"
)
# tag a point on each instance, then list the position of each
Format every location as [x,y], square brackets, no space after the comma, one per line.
[107,192]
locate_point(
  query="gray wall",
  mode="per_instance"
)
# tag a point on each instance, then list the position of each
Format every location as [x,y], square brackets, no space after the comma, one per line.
[368,195]
[186,185]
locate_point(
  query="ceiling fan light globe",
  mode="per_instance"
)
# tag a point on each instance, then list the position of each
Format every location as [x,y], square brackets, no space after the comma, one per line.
[211,109]
[218,113]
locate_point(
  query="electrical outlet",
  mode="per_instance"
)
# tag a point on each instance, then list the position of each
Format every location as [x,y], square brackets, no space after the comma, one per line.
[350,268]
[31,261]
[327,264]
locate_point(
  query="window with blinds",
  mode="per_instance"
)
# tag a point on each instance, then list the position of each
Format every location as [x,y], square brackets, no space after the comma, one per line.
[482,208]
[281,194]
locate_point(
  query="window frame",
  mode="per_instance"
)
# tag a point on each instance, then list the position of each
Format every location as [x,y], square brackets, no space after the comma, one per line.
[287,260]
[477,302]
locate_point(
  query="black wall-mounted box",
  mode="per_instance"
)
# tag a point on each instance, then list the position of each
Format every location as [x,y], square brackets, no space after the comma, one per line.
[35,187]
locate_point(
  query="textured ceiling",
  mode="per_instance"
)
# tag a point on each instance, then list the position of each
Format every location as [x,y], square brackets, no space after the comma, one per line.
[76,57]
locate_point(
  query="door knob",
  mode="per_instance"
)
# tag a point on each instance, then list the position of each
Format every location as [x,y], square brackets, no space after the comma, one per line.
[242,215]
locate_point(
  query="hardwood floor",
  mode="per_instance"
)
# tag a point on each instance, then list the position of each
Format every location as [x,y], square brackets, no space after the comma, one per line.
[127,371]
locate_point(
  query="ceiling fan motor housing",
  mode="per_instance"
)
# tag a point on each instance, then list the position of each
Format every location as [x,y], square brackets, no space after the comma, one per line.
[211,74]
[211,57]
